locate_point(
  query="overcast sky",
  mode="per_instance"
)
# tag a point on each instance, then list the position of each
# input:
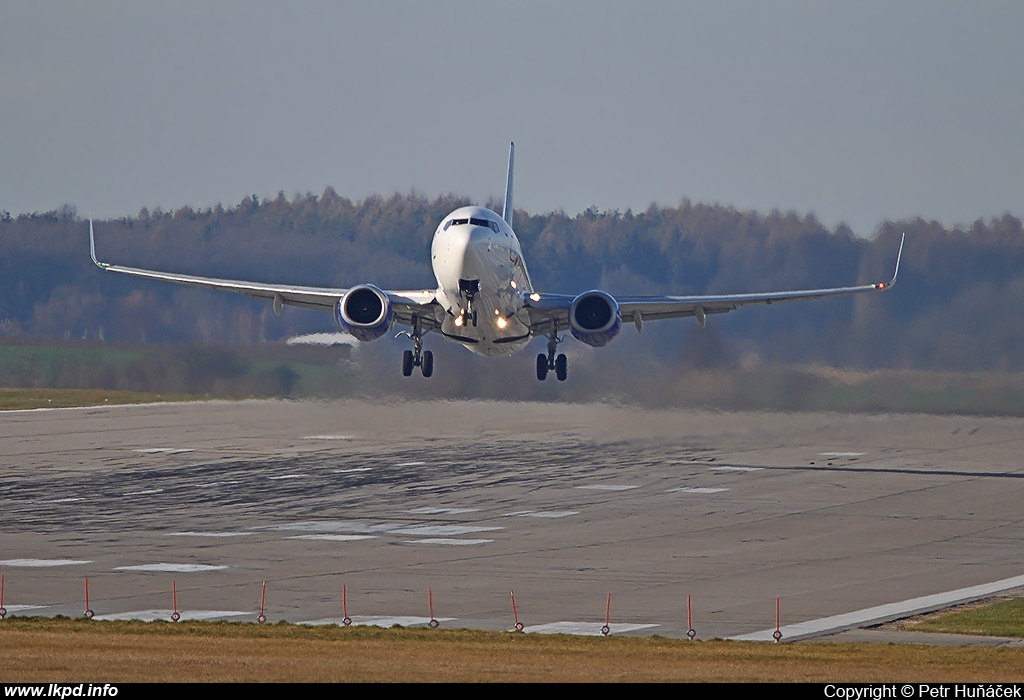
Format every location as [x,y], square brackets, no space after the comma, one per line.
[856,111]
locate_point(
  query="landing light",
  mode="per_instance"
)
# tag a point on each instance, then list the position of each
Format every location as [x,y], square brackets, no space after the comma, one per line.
[458,321]
[513,283]
[535,297]
[502,322]
[496,313]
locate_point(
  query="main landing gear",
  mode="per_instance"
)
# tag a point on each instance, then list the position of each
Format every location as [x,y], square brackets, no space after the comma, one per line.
[559,364]
[417,357]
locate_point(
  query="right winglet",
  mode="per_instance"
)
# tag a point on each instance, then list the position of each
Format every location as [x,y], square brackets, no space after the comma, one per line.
[92,248]
[883,285]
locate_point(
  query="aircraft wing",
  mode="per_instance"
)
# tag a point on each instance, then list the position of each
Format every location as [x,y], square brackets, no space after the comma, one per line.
[404,303]
[554,308]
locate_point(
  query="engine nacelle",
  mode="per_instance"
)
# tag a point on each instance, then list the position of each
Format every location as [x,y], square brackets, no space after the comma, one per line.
[594,318]
[364,312]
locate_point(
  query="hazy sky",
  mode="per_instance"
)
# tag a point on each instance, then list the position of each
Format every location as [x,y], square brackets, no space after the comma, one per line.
[857,111]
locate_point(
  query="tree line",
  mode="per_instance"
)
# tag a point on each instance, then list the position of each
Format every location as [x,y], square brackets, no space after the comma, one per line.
[958,305]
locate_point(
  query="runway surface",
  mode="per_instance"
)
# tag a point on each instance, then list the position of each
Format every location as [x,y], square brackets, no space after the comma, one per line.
[560,503]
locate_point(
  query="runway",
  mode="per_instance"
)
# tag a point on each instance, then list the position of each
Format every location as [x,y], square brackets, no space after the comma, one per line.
[560,503]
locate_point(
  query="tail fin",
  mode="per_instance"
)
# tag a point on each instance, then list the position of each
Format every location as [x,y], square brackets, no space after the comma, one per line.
[506,209]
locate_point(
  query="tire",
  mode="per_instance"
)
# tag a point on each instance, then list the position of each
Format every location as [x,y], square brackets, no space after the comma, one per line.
[561,367]
[407,363]
[428,363]
[542,367]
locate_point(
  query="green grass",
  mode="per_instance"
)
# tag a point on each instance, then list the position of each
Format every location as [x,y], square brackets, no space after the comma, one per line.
[1003,619]
[20,399]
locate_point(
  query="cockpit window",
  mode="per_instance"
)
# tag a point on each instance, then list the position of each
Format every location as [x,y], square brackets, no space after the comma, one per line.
[493,225]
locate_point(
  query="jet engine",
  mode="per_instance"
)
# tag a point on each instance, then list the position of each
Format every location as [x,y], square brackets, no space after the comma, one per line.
[594,318]
[364,312]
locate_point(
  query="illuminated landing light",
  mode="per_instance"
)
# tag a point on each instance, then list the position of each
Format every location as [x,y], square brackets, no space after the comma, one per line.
[880,285]
[497,313]
[502,322]
[513,283]
[535,297]
[459,320]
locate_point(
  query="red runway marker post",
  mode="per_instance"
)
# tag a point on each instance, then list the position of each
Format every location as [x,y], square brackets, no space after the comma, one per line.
[175,616]
[515,614]
[777,634]
[263,605]
[344,605]
[434,624]
[88,611]
[3,610]
[606,630]
[690,632]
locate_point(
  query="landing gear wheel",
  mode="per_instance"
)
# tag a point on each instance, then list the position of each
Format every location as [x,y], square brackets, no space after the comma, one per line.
[606,630]
[561,367]
[347,621]
[434,624]
[261,619]
[519,627]
[407,363]
[175,616]
[473,318]
[89,614]
[542,367]
[428,363]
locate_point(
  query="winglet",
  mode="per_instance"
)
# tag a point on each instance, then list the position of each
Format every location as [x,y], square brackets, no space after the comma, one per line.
[92,247]
[506,208]
[883,285]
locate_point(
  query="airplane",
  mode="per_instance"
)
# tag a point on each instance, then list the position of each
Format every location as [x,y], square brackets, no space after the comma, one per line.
[484,298]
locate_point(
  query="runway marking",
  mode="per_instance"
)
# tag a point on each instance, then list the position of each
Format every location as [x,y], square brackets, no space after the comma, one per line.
[735,469]
[171,568]
[696,489]
[351,471]
[609,487]
[442,511]
[841,454]
[336,526]
[410,464]
[164,450]
[442,529]
[72,499]
[336,538]
[288,476]
[42,563]
[208,534]
[445,540]
[14,609]
[883,613]
[541,513]
[328,437]
[378,621]
[153,615]
[218,483]
[586,629]
[147,492]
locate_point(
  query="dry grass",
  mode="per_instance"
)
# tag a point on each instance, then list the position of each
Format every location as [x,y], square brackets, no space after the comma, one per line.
[61,650]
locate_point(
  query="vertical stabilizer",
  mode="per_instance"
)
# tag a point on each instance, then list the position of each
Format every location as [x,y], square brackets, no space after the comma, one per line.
[506,208]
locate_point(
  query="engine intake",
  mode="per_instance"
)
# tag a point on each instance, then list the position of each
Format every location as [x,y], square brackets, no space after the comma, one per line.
[364,312]
[594,318]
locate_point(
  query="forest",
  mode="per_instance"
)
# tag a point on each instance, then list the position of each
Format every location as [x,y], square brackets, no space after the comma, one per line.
[958,305]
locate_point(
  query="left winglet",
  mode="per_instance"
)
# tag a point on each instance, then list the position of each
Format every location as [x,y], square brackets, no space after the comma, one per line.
[92,247]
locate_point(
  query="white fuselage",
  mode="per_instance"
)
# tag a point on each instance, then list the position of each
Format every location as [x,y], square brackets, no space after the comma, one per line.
[479,268]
